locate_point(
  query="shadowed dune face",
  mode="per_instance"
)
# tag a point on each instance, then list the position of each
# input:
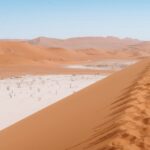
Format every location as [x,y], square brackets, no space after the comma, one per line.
[94,118]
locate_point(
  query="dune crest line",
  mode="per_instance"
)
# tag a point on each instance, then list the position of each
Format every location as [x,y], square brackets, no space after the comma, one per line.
[129,127]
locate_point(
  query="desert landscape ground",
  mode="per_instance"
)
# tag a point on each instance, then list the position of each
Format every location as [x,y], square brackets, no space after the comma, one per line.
[25,95]
[74,74]
[74,94]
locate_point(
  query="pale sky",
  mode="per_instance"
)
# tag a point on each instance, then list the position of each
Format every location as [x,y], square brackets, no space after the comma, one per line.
[73,18]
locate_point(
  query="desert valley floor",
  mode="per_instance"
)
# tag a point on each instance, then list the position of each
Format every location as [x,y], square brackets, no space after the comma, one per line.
[74,98]
[112,114]
[22,96]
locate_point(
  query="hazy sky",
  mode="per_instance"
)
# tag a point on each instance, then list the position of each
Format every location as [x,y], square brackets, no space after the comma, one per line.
[69,18]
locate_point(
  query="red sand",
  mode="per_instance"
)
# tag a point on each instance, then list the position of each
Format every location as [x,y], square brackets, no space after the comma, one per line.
[112,114]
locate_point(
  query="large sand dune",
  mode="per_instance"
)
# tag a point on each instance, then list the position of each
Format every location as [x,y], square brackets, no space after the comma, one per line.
[112,114]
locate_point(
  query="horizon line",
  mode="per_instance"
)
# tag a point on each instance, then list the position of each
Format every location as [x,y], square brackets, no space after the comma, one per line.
[73,37]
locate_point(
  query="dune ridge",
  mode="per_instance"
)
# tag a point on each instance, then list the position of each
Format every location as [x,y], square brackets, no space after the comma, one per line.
[128,128]
[105,46]
[127,124]
[134,130]
[109,115]
[103,43]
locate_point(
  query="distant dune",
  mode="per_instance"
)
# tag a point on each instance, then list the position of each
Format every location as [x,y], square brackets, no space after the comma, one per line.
[104,46]
[20,57]
[14,52]
[101,43]
[112,114]
[21,52]
[140,49]
[45,55]
[48,50]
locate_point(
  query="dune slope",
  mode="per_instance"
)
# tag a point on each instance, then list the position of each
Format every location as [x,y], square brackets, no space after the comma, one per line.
[20,53]
[19,57]
[111,114]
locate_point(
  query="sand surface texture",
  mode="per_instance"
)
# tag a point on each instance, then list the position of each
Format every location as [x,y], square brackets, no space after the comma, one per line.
[112,114]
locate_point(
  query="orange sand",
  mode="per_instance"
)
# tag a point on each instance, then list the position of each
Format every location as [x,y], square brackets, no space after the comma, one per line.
[112,114]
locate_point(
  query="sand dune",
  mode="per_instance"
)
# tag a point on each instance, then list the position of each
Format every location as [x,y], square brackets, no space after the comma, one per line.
[14,52]
[19,52]
[101,47]
[112,114]
[101,43]
[20,57]
[141,49]
[23,53]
